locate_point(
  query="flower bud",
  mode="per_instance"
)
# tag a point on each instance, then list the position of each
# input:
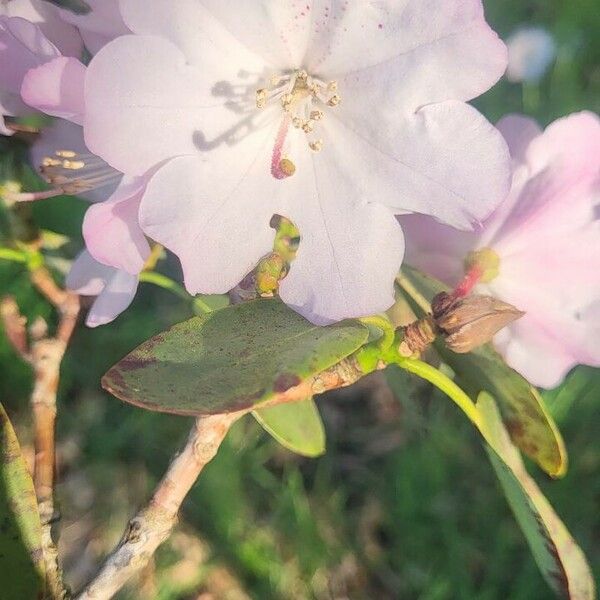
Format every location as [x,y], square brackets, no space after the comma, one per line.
[270,270]
[471,321]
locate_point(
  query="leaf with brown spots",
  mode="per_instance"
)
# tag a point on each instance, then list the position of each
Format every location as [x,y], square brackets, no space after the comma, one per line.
[560,560]
[21,560]
[523,411]
[234,358]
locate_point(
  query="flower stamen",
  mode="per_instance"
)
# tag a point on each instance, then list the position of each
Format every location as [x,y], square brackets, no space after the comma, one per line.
[71,173]
[302,99]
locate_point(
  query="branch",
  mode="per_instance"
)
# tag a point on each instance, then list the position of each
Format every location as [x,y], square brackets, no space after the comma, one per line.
[45,355]
[153,524]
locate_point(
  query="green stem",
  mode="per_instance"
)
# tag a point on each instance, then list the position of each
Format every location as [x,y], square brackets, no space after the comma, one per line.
[164,282]
[445,384]
[13,255]
[387,329]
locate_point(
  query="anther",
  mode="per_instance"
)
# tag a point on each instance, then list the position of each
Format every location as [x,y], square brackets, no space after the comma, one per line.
[334,100]
[261,98]
[316,145]
[287,167]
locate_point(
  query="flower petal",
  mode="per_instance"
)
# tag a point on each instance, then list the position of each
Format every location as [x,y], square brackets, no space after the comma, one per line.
[56,88]
[23,46]
[137,117]
[215,214]
[63,35]
[436,249]
[276,31]
[118,294]
[350,250]
[87,276]
[64,135]
[98,27]
[112,232]
[518,131]
[402,55]
[446,160]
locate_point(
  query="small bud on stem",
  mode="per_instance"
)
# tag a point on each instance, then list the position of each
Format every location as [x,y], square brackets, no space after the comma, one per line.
[471,321]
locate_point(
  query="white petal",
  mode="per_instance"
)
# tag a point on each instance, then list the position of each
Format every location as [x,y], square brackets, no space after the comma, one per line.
[404,54]
[214,214]
[205,40]
[350,250]
[446,160]
[137,117]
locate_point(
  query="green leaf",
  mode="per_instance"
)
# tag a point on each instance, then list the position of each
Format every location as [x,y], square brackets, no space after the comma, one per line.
[580,383]
[295,425]
[230,359]
[560,560]
[21,559]
[79,7]
[530,425]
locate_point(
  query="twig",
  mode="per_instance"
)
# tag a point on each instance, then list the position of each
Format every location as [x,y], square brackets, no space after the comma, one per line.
[45,355]
[153,524]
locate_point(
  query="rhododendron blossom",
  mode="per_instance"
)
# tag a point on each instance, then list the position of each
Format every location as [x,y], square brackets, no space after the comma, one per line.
[22,47]
[539,251]
[47,17]
[115,289]
[98,27]
[337,115]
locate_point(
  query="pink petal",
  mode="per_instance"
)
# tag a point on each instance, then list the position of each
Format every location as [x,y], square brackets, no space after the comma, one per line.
[518,131]
[115,298]
[87,276]
[56,88]
[115,289]
[112,232]
[98,27]
[265,29]
[64,135]
[23,46]
[436,249]
[63,35]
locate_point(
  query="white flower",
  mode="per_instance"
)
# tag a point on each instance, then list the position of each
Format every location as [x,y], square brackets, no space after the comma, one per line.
[335,114]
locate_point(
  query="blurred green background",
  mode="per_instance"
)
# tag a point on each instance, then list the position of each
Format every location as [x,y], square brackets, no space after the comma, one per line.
[403,505]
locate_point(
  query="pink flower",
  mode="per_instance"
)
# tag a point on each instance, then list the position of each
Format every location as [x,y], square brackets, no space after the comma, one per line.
[337,117]
[23,46]
[98,27]
[114,289]
[47,17]
[546,237]
[111,228]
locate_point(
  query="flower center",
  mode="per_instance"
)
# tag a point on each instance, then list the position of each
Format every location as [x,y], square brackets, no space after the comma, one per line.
[73,173]
[303,99]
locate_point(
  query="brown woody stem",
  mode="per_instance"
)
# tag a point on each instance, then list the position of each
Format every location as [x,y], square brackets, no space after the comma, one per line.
[45,355]
[154,523]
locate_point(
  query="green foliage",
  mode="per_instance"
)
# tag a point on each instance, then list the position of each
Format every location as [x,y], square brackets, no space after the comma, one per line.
[523,411]
[230,359]
[560,560]
[295,425]
[21,561]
